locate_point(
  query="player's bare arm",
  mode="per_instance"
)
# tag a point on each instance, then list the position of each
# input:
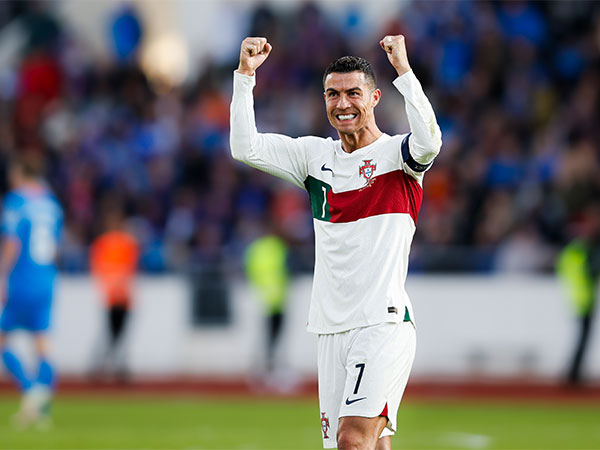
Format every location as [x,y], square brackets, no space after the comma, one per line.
[9,252]
[253,52]
[395,47]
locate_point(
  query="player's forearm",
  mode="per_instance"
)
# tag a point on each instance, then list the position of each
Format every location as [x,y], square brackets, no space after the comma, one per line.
[426,137]
[243,133]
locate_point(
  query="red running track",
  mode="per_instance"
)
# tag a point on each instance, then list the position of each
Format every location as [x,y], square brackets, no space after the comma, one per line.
[418,389]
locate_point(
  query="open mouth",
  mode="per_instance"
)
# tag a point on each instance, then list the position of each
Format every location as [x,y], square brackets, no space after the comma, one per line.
[345,117]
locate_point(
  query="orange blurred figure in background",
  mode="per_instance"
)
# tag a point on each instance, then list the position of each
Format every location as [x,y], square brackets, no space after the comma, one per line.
[113,262]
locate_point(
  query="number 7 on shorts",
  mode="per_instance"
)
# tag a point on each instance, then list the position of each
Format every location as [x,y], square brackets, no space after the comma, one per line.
[361,367]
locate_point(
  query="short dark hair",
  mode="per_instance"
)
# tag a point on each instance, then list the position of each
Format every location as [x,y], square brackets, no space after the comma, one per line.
[347,64]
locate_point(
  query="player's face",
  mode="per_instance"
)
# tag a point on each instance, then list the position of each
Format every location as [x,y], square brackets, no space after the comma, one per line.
[350,101]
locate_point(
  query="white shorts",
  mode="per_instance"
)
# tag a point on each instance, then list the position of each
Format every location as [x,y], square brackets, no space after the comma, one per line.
[363,372]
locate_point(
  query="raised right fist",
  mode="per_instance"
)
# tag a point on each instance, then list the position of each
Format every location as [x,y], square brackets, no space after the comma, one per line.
[253,52]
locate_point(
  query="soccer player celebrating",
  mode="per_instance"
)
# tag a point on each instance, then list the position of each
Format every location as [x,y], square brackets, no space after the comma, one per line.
[31,224]
[365,191]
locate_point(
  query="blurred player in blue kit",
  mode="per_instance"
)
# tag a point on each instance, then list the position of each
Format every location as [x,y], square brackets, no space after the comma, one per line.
[31,226]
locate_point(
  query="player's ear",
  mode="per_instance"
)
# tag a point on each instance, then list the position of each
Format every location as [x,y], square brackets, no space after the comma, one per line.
[376,96]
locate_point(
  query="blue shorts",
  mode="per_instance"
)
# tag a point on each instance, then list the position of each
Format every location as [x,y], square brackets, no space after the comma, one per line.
[31,315]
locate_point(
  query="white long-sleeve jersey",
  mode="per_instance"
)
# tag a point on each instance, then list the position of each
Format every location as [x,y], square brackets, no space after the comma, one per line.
[365,205]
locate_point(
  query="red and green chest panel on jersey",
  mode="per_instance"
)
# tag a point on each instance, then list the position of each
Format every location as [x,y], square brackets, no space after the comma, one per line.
[389,193]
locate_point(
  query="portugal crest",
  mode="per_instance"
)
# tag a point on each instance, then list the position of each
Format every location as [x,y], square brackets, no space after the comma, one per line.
[324,425]
[367,170]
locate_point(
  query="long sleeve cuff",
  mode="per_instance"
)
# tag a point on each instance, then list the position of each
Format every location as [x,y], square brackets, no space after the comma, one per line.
[243,82]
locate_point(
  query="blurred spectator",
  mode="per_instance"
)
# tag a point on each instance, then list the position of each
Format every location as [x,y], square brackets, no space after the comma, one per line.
[579,269]
[267,271]
[113,262]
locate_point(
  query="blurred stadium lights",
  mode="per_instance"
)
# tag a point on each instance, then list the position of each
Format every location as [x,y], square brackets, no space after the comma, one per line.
[165,61]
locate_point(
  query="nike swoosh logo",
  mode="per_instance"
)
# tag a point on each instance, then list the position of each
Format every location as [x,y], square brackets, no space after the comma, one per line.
[349,402]
[323,168]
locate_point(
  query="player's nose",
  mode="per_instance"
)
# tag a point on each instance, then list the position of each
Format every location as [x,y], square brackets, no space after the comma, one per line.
[343,102]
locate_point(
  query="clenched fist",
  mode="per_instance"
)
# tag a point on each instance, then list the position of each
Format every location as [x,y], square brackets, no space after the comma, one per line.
[253,52]
[395,48]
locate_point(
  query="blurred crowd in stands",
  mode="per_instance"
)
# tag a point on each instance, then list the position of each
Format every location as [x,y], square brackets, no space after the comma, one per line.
[515,86]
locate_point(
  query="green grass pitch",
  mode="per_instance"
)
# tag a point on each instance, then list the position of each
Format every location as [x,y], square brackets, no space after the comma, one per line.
[178,422]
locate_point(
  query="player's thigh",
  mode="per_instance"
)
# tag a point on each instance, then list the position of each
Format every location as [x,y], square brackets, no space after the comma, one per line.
[378,363]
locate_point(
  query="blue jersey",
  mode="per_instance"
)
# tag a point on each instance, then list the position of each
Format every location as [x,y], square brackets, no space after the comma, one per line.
[34,218]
